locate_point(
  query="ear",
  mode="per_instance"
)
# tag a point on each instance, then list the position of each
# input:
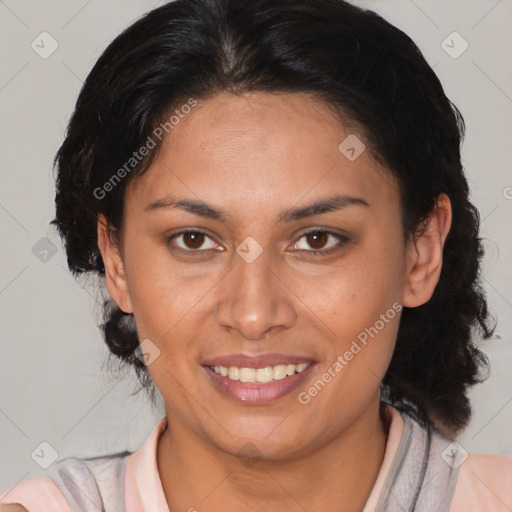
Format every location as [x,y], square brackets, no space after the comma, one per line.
[424,255]
[115,276]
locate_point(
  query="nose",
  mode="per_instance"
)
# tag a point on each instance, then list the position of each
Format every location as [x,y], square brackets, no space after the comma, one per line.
[255,299]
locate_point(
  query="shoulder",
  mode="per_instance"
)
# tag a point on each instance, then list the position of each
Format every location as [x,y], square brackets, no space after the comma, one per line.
[484,482]
[99,480]
[33,493]
[454,480]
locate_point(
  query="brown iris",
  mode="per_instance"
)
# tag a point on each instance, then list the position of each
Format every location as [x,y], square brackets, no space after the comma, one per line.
[196,239]
[318,237]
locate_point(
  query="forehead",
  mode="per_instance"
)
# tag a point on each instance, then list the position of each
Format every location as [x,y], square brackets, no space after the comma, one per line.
[263,149]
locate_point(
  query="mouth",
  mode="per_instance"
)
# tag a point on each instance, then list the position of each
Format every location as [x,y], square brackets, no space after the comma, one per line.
[253,384]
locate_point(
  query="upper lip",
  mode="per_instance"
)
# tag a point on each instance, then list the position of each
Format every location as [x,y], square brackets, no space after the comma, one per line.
[256,360]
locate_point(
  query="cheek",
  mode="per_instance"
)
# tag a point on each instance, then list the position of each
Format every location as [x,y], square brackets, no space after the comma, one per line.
[166,311]
[359,303]
[354,293]
[165,305]
[164,301]
[360,306]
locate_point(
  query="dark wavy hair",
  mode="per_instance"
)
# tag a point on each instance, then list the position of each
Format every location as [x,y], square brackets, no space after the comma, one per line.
[365,69]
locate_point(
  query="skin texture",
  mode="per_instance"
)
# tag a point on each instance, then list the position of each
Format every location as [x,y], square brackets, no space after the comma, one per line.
[255,155]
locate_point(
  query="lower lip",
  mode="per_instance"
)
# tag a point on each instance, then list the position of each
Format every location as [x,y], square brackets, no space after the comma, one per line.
[251,393]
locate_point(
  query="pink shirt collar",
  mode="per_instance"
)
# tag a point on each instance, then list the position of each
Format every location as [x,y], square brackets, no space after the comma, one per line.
[143,488]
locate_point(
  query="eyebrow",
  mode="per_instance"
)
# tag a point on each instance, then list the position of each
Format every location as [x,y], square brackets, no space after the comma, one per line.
[329,204]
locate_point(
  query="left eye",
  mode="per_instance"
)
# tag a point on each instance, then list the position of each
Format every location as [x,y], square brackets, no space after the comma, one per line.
[318,238]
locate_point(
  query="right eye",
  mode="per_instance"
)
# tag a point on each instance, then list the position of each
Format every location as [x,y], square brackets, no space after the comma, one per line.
[190,241]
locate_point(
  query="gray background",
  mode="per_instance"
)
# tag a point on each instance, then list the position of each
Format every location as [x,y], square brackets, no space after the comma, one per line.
[55,385]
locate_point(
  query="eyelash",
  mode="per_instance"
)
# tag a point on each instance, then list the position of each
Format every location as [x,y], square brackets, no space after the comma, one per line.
[342,241]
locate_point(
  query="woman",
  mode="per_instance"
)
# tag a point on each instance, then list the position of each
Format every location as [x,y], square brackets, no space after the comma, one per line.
[273,194]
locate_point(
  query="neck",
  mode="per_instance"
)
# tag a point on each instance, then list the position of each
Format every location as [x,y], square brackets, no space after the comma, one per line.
[338,475]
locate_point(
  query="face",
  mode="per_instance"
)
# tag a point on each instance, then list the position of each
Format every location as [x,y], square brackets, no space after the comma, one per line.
[228,269]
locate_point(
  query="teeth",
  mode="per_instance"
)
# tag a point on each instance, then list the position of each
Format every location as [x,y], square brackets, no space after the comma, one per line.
[247,374]
[260,375]
[265,374]
[233,372]
[280,371]
[301,367]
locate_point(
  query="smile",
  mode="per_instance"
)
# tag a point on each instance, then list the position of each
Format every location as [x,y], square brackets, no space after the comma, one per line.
[260,385]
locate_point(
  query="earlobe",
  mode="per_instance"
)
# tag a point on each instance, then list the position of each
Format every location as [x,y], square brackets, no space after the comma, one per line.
[424,255]
[115,277]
